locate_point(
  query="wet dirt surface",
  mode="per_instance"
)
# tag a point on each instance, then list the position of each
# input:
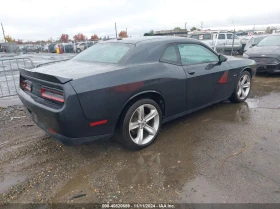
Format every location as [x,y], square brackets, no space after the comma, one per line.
[224,153]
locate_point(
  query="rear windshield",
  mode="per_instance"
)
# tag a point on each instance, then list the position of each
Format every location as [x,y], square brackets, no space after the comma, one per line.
[270,41]
[104,52]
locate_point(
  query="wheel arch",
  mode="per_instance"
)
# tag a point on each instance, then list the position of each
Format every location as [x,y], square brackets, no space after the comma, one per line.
[150,94]
[248,69]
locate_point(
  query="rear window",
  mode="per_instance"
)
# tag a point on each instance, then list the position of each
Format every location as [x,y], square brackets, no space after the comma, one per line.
[107,53]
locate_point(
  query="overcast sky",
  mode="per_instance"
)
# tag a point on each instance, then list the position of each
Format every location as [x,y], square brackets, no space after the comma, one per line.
[42,19]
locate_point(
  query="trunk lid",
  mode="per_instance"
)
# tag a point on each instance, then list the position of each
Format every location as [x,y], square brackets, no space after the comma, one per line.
[63,72]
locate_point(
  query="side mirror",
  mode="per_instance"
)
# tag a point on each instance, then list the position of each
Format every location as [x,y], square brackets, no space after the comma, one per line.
[222,58]
[253,45]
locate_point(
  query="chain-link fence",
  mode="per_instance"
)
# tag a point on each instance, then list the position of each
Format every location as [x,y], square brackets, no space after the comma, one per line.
[9,74]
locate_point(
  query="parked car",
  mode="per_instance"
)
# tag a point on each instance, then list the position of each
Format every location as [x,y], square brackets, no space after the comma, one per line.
[67,47]
[224,42]
[266,54]
[82,46]
[51,48]
[253,41]
[130,87]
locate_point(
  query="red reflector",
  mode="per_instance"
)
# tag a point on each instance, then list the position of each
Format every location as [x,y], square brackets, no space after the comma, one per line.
[224,78]
[51,131]
[98,123]
[52,94]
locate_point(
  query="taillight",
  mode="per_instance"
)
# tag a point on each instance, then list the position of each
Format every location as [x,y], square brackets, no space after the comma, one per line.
[26,85]
[52,94]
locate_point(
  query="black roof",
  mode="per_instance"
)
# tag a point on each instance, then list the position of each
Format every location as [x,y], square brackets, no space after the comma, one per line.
[150,39]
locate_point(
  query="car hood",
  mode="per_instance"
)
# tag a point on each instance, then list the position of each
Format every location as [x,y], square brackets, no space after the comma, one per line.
[74,69]
[264,50]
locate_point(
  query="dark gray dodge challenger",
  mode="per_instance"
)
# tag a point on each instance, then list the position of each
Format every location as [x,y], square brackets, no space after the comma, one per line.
[129,88]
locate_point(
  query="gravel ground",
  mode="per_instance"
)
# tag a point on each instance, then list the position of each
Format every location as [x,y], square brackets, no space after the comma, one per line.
[224,153]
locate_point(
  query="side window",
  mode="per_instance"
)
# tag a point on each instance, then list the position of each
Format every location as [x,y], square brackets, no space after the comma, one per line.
[195,54]
[170,55]
[194,36]
[206,36]
[222,36]
[229,36]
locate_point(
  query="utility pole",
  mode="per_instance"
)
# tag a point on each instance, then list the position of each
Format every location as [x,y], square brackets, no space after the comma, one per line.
[186,25]
[116,30]
[201,25]
[3,32]
[233,38]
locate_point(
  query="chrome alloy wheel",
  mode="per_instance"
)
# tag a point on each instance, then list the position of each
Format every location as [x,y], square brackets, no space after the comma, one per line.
[144,124]
[244,85]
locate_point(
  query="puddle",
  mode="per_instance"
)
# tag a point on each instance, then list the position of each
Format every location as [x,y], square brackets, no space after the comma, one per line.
[199,190]
[7,181]
[269,101]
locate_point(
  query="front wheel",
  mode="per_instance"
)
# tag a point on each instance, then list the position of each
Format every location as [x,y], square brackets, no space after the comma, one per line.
[141,124]
[242,90]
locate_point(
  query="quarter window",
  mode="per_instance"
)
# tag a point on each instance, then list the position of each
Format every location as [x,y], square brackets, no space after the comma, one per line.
[222,36]
[170,55]
[195,54]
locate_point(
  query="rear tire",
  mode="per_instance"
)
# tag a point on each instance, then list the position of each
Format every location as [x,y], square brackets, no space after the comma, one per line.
[140,124]
[78,50]
[243,88]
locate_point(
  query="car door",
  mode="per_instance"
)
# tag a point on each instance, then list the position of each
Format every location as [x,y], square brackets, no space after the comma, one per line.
[221,42]
[206,78]
[229,40]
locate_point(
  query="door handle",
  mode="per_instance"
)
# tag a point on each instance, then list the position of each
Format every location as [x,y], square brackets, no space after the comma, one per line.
[191,72]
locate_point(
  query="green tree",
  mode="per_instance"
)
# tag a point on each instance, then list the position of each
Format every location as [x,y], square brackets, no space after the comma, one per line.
[151,33]
[193,28]
[177,28]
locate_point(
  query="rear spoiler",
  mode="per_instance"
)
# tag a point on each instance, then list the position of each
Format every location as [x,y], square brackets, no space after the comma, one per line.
[45,77]
[48,63]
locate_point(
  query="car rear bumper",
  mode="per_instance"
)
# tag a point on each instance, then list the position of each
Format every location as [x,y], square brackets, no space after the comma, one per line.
[68,124]
[72,141]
